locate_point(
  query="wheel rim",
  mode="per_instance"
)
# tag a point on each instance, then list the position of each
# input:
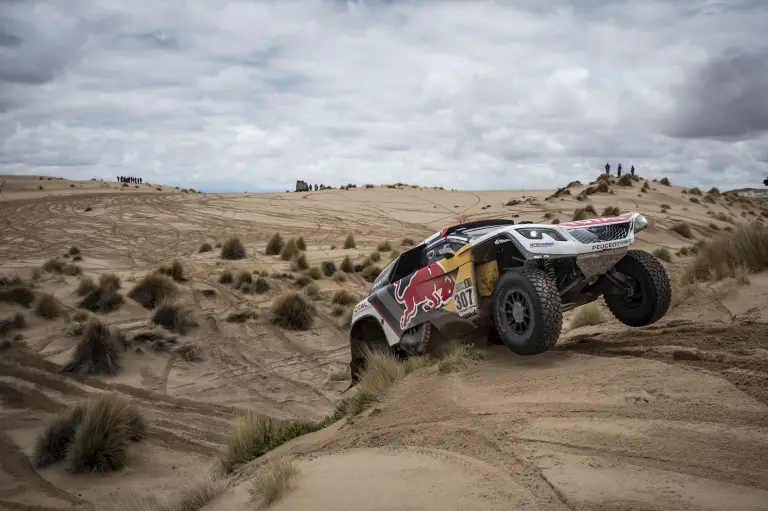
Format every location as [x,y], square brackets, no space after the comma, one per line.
[517,312]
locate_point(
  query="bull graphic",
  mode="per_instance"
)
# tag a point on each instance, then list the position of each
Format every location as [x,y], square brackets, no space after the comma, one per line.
[429,286]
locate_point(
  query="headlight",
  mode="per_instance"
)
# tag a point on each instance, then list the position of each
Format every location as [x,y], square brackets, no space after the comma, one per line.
[640,223]
[534,233]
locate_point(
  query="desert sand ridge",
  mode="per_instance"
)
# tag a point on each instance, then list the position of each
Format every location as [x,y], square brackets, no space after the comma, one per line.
[668,417]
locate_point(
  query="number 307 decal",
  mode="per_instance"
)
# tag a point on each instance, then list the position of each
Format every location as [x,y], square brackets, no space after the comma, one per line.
[465,299]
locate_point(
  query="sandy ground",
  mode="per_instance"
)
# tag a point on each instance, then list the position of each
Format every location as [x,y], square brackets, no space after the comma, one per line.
[669,417]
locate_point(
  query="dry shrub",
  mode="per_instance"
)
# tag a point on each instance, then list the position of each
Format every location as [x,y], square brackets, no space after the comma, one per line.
[645,187]
[350,241]
[52,444]
[663,254]
[344,297]
[710,199]
[241,316]
[329,268]
[714,226]
[20,294]
[371,272]
[313,291]
[191,352]
[99,350]
[665,206]
[611,210]
[683,229]
[625,180]
[588,315]
[300,262]
[293,312]
[104,298]
[683,251]
[340,276]
[338,310]
[695,191]
[582,214]
[226,277]
[665,181]
[176,271]
[723,217]
[315,273]
[290,250]
[458,358]
[346,265]
[244,280]
[48,306]
[273,481]
[374,258]
[275,244]
[300,243]
[407,242]
[714,191]
[303,280]
[260,285]
[694,200]
[382,369]
[73,251]
[384,246]
[232,249]
[15,322]
[85,286]
[205,247]
[152,290]
[746,246]
[109,423]
[174,316]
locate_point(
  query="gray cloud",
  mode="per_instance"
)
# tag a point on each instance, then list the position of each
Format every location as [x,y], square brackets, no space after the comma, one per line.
[254,95]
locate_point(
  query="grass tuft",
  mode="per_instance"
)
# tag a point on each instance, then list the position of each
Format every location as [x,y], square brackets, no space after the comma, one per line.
[273,481]
[48,307]
[290,250]
[384,246]
[292,311]
[205,247]
[99,350]
[346,265]
[664,254]
[233,249]
[329,268]
[683,229]
[745,247]
[226,277]
[275,244]
[588,315]
[152,290]
[349,242]
[174,317]
[301,244]
[344,297]
[462,356]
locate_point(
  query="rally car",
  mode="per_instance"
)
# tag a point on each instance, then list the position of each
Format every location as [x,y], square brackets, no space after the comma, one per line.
[509,283]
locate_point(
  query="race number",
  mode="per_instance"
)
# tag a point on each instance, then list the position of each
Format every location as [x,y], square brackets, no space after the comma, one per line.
[465,298]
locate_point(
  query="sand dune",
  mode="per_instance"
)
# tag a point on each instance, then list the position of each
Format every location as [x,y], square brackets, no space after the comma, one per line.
[670,416]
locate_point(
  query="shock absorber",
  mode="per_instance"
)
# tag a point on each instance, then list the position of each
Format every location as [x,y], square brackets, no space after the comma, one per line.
[550,268]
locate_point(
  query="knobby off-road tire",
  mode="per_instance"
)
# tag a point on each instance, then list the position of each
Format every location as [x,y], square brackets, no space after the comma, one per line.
[545,310]
[652,284]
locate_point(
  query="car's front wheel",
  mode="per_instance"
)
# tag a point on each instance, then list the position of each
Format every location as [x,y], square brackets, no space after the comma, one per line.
[527,311]
[648,294]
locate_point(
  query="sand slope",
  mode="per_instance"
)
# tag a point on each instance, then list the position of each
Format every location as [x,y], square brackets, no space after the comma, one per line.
[671,416]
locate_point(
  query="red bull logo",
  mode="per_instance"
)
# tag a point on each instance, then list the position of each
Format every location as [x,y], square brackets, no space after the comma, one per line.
[429,287]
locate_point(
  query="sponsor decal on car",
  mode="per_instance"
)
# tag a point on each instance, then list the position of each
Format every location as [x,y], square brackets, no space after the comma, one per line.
[542,244]
[362,305]
[429,288]
[610,244]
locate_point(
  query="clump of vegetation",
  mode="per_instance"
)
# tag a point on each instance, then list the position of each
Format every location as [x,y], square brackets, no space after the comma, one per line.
[232,249]
[683,229]
[714,191]
[588,315]
[374,258]
[152,290]
[302,280]
[338,310]
[694,200]
[241,316]
[48,306]
[313,291]
[260,285]
[340,276]
[462,356]
[174,317]
[15,322]
[290,250]
[346,265]
[723,217]
[625,180]
[293,312]
[85,286]
[645,187]
[329,268]
[407,242]
[16,292]
[175,271]
[104,298]
[73,251]
[665,181]
[384,246]
[99,350]
[107,425]
[226,277]
[612,210]
[60,267]
[275,245]
[714,226]
[315,273]
[746,247]
[344,297]
[273,481]
[205,247]
[582,214]
[244,280]
[300,243]
[350,241]
[695,191]
[371,272]
[300,262]
[663,254]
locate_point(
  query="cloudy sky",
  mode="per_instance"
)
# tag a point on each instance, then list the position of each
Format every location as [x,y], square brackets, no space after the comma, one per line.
[252,95]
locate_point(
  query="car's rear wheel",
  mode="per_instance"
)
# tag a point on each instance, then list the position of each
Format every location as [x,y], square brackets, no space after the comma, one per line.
[527,311]
[651,291]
